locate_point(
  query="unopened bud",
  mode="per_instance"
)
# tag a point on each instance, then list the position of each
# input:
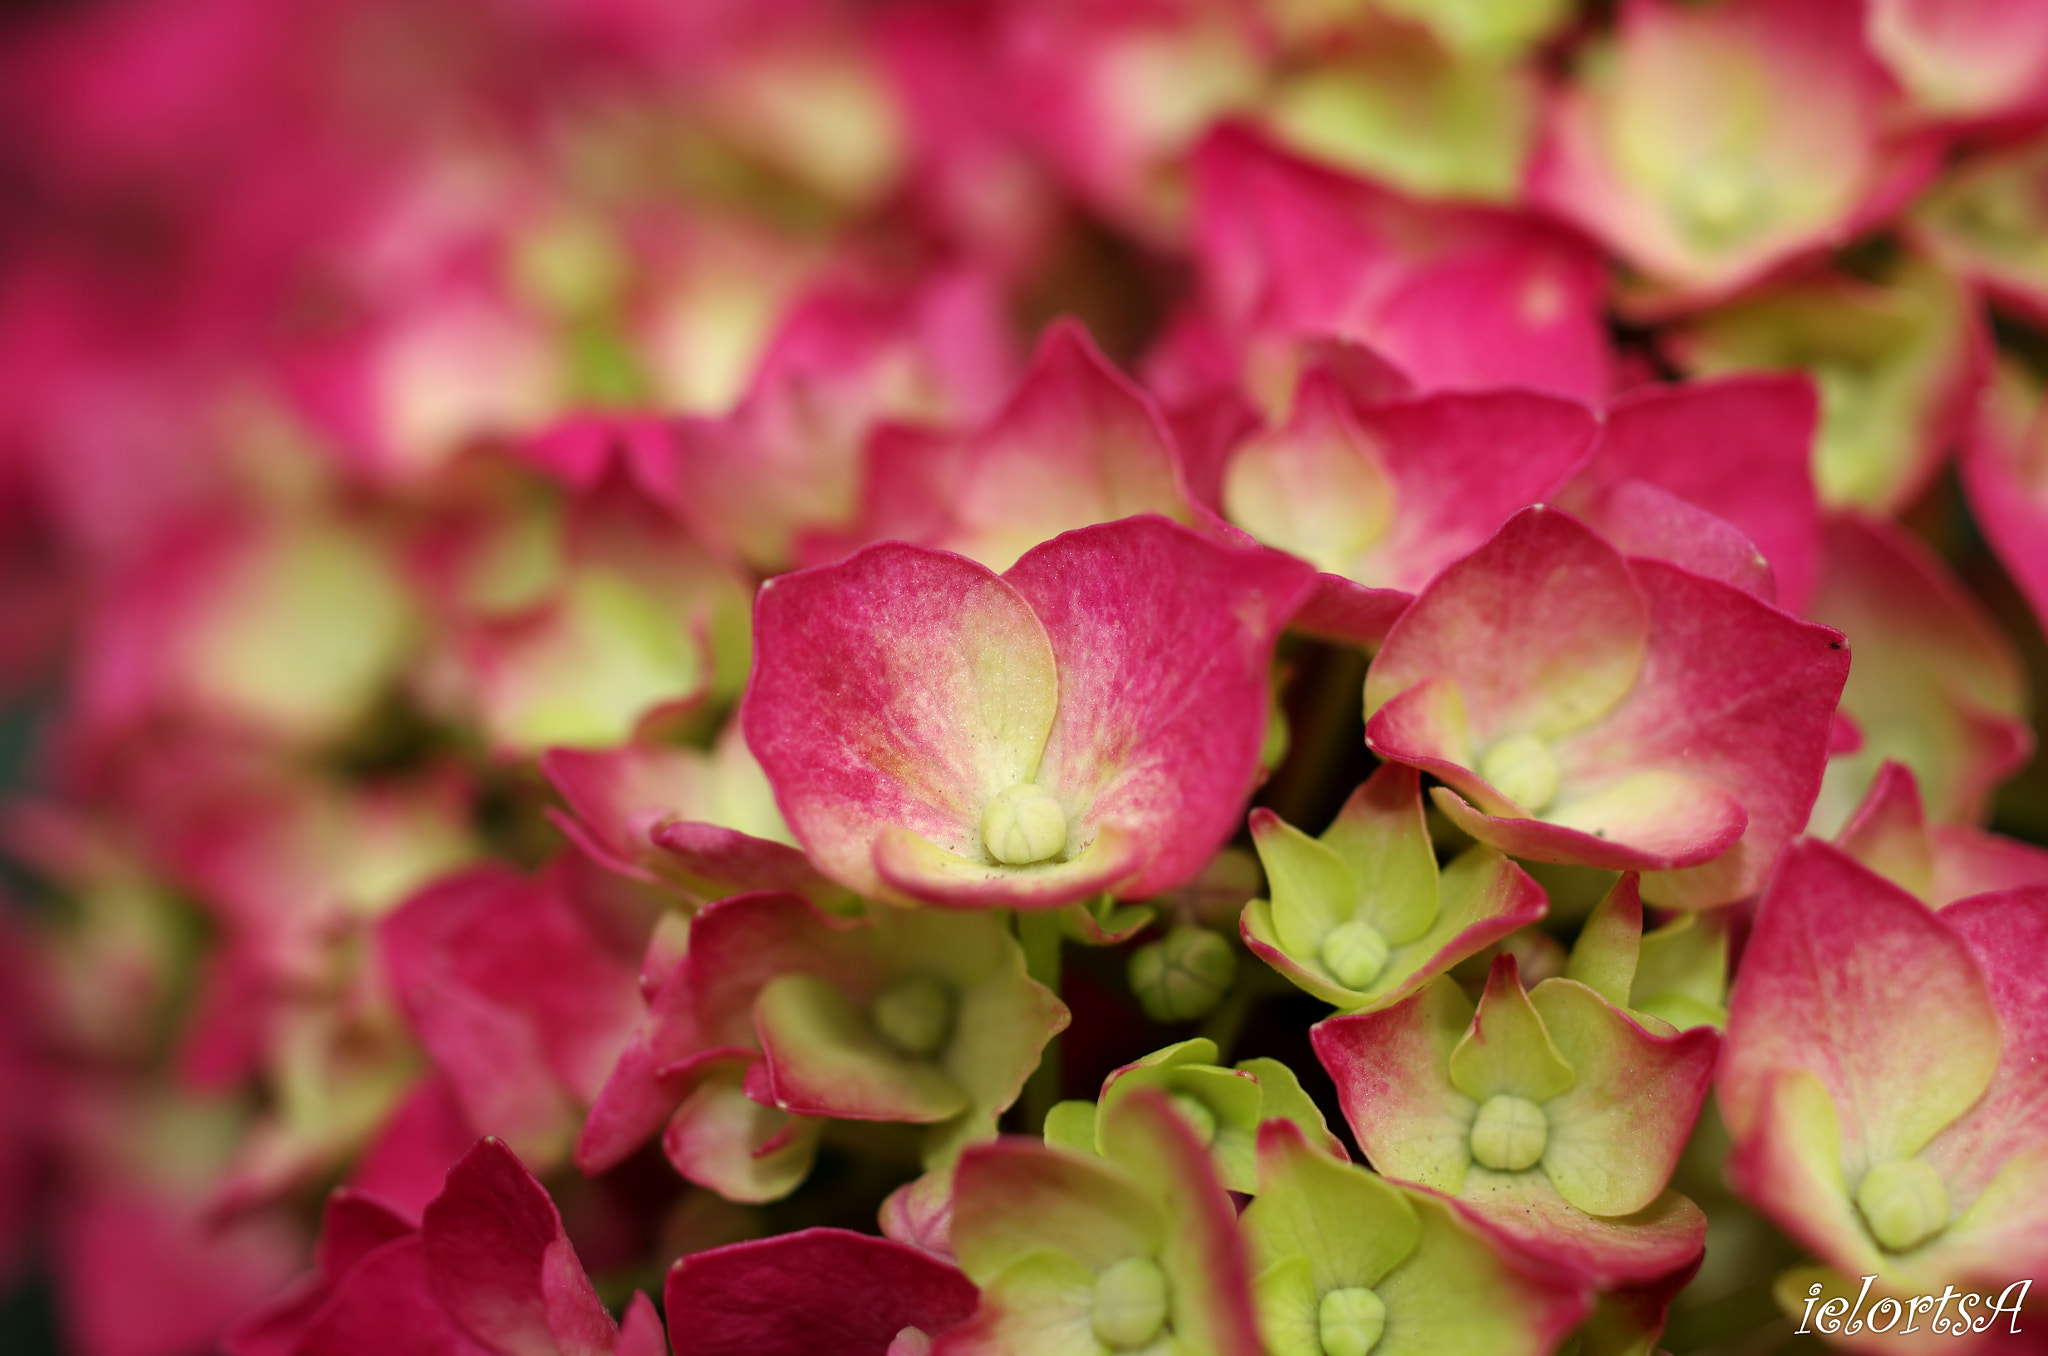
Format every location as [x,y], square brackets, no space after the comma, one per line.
[1130,1304]
[1023,824]
[1183,975]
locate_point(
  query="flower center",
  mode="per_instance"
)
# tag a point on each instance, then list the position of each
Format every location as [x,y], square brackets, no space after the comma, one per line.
[1355,953]
[1023,824]
[1521,768]
[1130,1304]
[915,1015]
[1904,1202]
[1509,1133]
[1352,1320]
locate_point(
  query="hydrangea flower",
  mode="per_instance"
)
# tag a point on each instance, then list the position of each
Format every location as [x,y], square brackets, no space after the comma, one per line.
[1363,917]
[1134,1251]
[1344,1263]
[1551,1115]
[1668,979]
[1584,707]
[1089,721]
[778,1015]
[1885,1075]
[1224,1107]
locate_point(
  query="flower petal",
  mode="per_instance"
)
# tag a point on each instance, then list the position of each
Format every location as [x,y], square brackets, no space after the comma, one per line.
[1525,1210]
[1457,1294]
[1392,1070]
[1352,1227]
[826,1059]
[899,688]
[1508,1051]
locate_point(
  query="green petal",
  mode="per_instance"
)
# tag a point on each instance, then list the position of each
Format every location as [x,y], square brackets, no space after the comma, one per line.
[1311,887]
[825,1055]
[1683,974]
[1231,1097]
[1285,1296]
[1393,1077]
[1001,1025]
[1479,884]
[1454,1296]
[1604,957]
[1507,1050]
[1381,835]
[1071,1125]
[1281,1097]
[1042,1304]
[1352,1227]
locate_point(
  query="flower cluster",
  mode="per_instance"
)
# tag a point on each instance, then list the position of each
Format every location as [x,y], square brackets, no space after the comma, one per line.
[1022,677]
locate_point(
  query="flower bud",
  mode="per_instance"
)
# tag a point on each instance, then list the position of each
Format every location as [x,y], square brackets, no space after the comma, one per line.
[915,1015]
[1130,1304]
[1509,1133]
[1904,1202]
[1183,975]
[1354,953]
[1351,1320]
[1023,824]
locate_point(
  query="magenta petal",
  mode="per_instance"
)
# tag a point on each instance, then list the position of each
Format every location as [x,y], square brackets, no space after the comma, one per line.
[1740,448]
[641,1332]
[736,860]
[809,1293]
[1525,1212]
[1346,611]
[1644,829]
[499,1260]
[388,1304]
[901,687]
[1164,641]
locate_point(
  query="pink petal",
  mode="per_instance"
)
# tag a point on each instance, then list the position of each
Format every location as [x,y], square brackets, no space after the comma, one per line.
[1525,1212]
[901,687]
[498,1259]
[1739,447]
[388,1303]
[1392,1070]
[811,1292]
[1164,642]
[723,1138]
[1648,523]
[2002,467]
[1968,861]
[731,860]
[2007,934]
[1888,832]
[1078,444]
[1456,297]
[1852,979]
[1651,821]
[1542,629]
[641,1332]
[407,1163]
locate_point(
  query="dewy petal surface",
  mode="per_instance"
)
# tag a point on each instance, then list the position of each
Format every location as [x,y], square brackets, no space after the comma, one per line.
[901,687]
[1853,980]
[1164,639]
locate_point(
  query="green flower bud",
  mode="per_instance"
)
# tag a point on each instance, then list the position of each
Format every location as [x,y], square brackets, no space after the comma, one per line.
[915,1015]
[1183,975]
[1521,768]
[1354,953]
[1352,1320]
[1509,1133]
[1023,824]
[1130,1304]
[1904,1202]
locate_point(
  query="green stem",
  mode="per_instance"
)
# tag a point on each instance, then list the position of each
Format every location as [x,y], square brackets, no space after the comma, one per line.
[1040,933]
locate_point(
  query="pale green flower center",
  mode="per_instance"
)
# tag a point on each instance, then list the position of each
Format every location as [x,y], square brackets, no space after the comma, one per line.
[1509,1134]
[1130,1304]
[1023,824]
[1354,953]
[1521,768]
[1904,1202]
[1352,1320]
[915,1015]
[1197,1114]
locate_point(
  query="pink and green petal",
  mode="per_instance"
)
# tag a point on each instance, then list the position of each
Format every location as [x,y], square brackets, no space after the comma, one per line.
[1888,833]
[1616,1133]
[1013,1199]
[1392,1070]
[1541,629]
[1508,1052]
[812,1291]
[1646,522]
[2007,934]
[1610,943]
[1077,444]
[1040,1304]
[1525,1211]
[1788,1162]
[1313,486]
[1999,1236]
[825,1059]
[1232,1099]
[1282,1098]
[722,1139]
[1352,1227]
[899,688]
[918,868]
[1459,1294]
[1646,821]
[1382,835]
[1208,1277]
[1936,685]
[1852,979]
[1162,748]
